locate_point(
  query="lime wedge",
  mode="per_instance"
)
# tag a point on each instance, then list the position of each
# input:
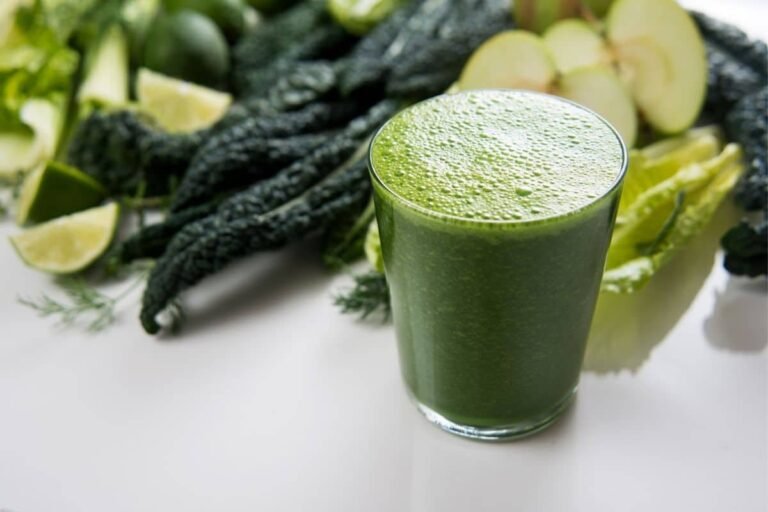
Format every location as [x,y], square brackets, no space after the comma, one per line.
[54,190]
[68,244]
[179,106]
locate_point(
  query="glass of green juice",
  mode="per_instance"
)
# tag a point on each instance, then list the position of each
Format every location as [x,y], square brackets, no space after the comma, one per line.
[495,210]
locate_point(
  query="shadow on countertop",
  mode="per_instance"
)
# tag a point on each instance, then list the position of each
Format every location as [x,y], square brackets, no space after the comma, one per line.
[627,327]
[738,322]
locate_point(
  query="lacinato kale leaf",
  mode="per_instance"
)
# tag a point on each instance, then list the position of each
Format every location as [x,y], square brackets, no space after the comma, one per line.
[235,238]
[746,249]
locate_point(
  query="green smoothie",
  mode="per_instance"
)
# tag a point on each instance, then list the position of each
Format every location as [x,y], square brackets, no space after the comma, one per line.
[495,210]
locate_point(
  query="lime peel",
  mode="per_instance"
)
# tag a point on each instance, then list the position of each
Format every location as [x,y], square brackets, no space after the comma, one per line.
[68,244]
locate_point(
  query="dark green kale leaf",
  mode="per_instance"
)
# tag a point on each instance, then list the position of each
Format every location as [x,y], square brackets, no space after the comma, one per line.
[746,249]
[123,150]
[747,124]
[245,235]
[344,241]
[255,148]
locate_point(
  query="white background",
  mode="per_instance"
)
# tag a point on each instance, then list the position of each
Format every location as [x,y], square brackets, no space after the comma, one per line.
[273,401]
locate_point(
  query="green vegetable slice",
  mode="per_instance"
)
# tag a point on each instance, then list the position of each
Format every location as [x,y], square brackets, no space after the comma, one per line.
[647,171]
[632,274]
[646,216]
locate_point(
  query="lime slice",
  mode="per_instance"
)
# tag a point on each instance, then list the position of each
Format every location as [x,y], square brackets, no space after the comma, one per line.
[68,244]
[179,106]
[373,247]
[54,190]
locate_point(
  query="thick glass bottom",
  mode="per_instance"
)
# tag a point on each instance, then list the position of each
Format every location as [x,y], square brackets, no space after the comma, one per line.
[501,432]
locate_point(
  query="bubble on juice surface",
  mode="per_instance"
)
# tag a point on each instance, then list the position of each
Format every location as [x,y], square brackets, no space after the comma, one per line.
[497,155]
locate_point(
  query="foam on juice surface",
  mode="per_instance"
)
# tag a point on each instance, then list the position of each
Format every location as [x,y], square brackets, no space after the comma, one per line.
[497,156]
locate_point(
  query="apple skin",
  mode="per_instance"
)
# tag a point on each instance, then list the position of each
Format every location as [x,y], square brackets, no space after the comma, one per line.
[598,8]
[538,15]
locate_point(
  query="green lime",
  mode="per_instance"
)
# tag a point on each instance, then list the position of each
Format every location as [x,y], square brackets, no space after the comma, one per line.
[271,6]
[229,15]
[56,189]
[179,106]
[68,244]
[189,46]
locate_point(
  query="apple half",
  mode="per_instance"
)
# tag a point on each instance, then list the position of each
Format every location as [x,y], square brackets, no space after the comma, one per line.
[599,89]
[661,57]
[514,59]
[574,44]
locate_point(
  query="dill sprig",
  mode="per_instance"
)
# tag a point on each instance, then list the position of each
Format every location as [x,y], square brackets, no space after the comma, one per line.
[83,302]
[370,294]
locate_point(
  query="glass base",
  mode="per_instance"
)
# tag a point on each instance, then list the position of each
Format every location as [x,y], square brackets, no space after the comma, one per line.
[501,432]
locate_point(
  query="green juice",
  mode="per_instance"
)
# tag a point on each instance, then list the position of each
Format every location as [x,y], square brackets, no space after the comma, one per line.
[495,210]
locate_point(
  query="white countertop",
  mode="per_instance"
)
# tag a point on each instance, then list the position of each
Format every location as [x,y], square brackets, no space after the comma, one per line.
[272,401]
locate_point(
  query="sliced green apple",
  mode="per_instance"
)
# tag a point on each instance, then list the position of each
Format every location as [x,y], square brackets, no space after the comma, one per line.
[574,43]
[600,89]
[662,57]
[514,59]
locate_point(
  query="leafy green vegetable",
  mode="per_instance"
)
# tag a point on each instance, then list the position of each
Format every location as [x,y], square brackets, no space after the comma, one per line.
[151,241]
[37,70]
[122,149]
[369,294]
[420,73]
[343,243]
[303,33]
[84,301]
[255,149]
[736,64]
[746,249]
[645,218]
[235,237]
[747,124]
[632,273]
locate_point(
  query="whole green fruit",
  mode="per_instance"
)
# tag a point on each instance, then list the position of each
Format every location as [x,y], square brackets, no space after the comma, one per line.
[188,46]
[229,15]
[271,6]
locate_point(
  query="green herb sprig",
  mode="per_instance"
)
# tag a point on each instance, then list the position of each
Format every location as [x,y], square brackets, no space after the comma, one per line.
[370,294]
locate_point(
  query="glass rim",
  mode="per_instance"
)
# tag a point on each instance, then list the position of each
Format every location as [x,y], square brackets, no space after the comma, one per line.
[619,179]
